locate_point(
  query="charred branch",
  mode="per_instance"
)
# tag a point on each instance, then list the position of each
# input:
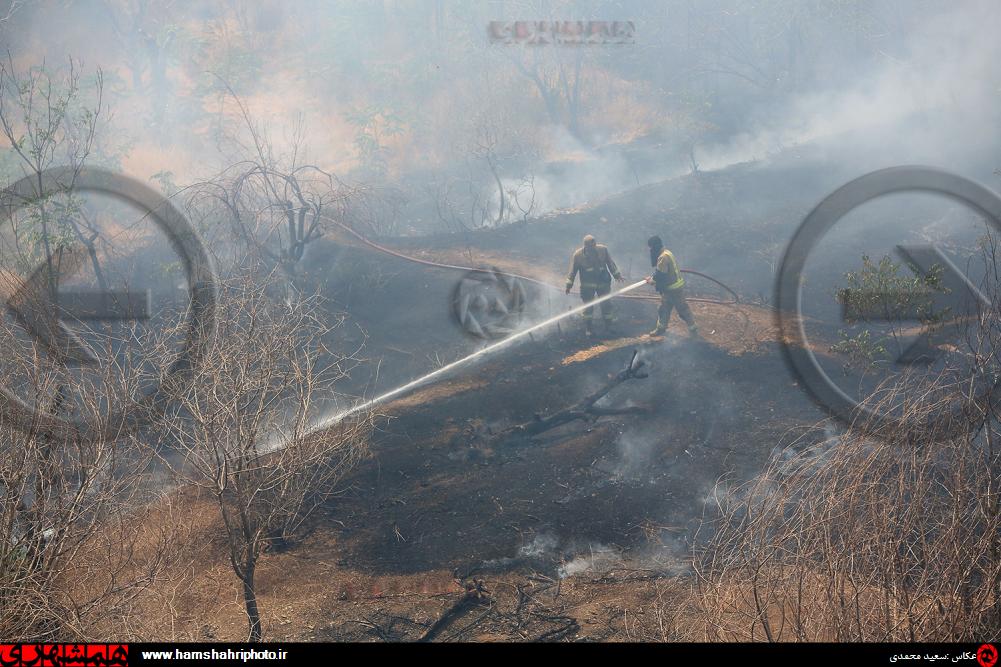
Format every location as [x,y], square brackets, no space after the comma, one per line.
[476,595]
[584,410]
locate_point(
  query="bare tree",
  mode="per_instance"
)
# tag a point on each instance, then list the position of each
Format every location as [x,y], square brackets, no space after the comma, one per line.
[485,148]
[559,76]
[458,203]
[70,476]
[147,33]
[480,195]
[523,197]
[70,557]
[12,8]
[243,426]
[276,205]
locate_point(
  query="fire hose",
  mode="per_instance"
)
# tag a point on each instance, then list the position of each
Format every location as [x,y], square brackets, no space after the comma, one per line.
[330,420]
[426,262]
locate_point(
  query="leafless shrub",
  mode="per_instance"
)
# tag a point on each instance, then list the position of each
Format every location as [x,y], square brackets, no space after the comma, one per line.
[70,475]
[376,210]
[524,197]
[889,532]
[275,204]
[243,427]
[480,195]
[70,500]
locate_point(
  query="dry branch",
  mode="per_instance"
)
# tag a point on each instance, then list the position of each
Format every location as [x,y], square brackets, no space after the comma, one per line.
[475,595]
[585,409]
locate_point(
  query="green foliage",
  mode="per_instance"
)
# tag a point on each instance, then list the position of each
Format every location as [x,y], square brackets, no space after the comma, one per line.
[234,61]
[862,350]
[881,293]
[49,117]
[374,124]
[166,181]
[882,289]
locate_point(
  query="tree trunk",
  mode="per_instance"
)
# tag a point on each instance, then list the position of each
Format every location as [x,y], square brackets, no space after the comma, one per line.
[250,601]
[500,190]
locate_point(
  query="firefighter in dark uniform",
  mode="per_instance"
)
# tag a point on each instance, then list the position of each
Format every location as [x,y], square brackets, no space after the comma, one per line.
[596,270]
[669,282]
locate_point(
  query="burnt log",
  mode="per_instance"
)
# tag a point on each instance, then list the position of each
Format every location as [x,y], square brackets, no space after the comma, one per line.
[584,410]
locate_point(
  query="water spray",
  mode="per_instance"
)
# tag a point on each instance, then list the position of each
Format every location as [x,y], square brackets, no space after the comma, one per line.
[402,389]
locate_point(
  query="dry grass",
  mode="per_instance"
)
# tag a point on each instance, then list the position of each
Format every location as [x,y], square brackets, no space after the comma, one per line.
[880,534]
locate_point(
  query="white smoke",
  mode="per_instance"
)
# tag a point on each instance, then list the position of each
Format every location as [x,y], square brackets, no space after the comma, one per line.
[597,559]
[635,451]
[541,545]
[934,103]
[576,175]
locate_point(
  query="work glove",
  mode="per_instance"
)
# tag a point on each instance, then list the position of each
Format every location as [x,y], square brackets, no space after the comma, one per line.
[620,279]
[649,280]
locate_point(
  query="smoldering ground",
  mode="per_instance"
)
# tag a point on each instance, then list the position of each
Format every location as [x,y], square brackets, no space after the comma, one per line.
[719,129]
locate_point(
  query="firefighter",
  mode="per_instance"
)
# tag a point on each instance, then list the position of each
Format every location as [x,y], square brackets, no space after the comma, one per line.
[669,282]
[596,270]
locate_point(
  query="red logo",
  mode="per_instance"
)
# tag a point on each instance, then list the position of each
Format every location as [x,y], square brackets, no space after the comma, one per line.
[987,655]
[65,655]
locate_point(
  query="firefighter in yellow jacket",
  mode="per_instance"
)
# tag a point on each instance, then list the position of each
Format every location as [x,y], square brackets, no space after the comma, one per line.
[596,270]
[669,282]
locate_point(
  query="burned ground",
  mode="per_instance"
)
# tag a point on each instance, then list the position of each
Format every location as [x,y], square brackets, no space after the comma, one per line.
[583,532]
[444,491]
[565,487]
[590,523]
[451,531]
